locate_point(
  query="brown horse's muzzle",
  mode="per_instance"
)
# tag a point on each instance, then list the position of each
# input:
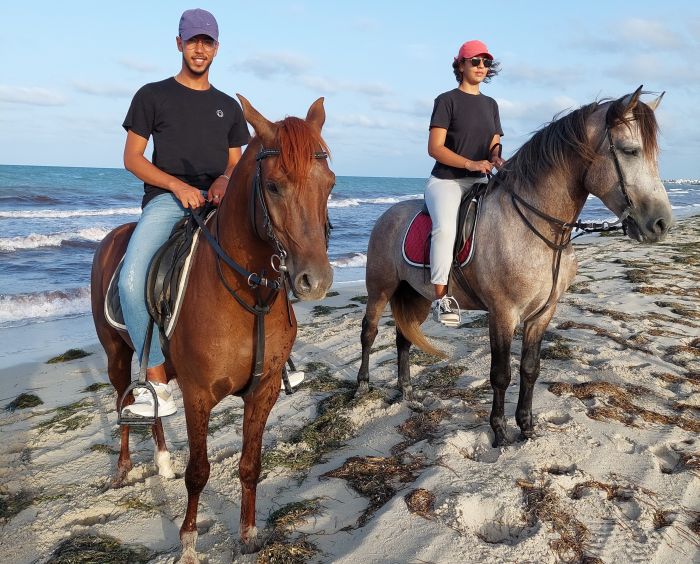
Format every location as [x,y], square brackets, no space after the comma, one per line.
[312,280]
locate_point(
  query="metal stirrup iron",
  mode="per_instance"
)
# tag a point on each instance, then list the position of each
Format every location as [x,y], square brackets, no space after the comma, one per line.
[138,420]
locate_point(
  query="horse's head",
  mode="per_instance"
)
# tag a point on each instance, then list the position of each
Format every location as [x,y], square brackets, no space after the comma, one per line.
[624,173]
[290,195]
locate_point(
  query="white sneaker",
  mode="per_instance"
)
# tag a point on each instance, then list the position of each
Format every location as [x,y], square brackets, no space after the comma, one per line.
[446,311]
[143,401]
[296,377]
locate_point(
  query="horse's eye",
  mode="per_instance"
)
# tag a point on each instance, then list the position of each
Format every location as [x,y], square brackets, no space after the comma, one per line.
[630,151]
[272,187]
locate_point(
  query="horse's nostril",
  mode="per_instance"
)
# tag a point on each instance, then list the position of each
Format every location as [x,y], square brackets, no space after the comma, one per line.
[660,226]
[304,283]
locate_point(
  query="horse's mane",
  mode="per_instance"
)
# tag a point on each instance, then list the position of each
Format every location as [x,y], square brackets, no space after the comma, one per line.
[297,141]
[565,137]
[552,146]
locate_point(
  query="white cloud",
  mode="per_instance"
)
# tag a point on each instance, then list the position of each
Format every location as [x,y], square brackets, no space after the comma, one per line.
[519,72]
[539,111]
[104,90]
[138,65]
[418,108]
[366,24]
[652,34]
[266,65]
[639,69]
[32,96]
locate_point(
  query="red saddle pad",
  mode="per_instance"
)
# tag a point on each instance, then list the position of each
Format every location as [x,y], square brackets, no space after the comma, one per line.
[416,249]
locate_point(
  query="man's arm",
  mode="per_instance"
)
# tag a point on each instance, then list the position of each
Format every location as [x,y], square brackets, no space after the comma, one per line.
[136,163]
[218,187]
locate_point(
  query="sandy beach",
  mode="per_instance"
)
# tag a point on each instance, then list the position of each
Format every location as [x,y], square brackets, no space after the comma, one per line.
[612,474]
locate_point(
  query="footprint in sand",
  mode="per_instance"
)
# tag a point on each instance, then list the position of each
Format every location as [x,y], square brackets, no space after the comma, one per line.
[556,417]
[623,444]
[667,458]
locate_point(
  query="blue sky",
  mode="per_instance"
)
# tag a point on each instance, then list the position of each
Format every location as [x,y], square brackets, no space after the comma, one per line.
[72,67]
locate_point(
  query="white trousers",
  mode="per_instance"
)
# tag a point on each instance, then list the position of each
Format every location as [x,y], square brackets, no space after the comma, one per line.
[442,197]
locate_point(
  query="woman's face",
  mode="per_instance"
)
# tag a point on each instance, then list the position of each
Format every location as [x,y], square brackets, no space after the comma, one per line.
[473,74]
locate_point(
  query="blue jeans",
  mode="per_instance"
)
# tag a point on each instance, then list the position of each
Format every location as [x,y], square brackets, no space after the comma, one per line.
[153,229]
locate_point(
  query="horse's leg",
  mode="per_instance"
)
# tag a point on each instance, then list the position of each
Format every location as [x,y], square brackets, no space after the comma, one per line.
[530,370]
[255,412]
[119,370]
[501,329]
[376,302]
[197,411]
[403,346]
[161,456]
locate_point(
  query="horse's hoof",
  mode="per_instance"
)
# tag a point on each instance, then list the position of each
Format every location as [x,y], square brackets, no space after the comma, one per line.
[163,464]
[500,440]
[362,389]
[253,544]
[526,435]
[189,556]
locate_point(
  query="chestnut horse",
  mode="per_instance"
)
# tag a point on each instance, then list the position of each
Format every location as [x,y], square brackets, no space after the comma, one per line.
[523,259]
[275,207]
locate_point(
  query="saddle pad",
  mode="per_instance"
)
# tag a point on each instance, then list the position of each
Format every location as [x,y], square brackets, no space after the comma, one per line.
[113,309]
[416,243]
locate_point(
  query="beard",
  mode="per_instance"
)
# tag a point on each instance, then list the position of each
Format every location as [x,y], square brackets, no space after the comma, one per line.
[196,71]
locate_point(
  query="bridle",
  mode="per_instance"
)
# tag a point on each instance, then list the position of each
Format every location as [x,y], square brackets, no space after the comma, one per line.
[563,238]
[263,303]
[258,200]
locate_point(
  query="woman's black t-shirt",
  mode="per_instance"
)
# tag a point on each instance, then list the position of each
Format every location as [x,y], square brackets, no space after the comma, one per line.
[192,131]
[471,121]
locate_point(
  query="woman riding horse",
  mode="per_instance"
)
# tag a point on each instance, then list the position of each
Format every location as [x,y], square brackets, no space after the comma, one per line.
[523,260]
[465,135]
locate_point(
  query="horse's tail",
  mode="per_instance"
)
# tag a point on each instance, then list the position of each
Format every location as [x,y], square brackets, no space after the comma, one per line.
[404,306]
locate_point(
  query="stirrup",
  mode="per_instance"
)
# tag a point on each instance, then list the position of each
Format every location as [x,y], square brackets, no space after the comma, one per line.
[138,420]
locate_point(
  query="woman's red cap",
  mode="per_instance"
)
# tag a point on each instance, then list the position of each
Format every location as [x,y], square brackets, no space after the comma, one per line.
[472,49]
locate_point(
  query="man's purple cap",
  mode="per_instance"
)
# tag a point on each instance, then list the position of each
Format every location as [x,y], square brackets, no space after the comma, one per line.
[198,22]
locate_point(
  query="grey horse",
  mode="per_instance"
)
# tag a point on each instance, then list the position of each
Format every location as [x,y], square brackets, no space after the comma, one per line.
[608,149]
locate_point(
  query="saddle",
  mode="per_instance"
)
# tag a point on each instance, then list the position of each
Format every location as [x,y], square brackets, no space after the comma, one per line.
[167,279]
[416,241]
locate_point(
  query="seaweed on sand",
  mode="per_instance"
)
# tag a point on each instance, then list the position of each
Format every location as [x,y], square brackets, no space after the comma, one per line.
[70,354]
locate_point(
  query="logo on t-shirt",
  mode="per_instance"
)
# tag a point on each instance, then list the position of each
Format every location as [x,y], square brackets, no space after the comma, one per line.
[220,113]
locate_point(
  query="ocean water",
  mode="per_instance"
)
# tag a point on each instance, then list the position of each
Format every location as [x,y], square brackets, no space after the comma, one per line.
[52,218]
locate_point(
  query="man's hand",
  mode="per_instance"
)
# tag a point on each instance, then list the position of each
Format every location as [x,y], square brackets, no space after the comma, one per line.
[217,190]
[189,196]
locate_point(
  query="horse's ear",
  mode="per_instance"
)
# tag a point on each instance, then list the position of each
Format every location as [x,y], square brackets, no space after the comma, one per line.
[263,127]
[655,103]
[316,116]
[630,101]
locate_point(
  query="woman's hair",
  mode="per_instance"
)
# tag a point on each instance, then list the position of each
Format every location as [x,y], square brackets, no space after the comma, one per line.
[492,71]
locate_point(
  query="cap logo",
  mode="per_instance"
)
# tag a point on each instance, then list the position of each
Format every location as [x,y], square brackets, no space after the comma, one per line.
[220,113]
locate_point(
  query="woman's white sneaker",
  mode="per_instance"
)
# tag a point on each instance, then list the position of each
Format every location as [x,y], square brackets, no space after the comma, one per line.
[143,401]
[446,311]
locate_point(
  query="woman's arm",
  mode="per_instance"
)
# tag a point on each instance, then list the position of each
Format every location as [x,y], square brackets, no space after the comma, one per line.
[437,150]
[495,152]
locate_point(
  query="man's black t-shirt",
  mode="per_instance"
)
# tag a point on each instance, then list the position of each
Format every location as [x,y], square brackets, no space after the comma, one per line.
[471,122]
[192,131]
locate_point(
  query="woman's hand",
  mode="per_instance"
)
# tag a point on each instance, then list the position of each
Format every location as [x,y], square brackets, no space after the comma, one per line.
[217,190]
[189,196]
[498,162]
[479,166]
